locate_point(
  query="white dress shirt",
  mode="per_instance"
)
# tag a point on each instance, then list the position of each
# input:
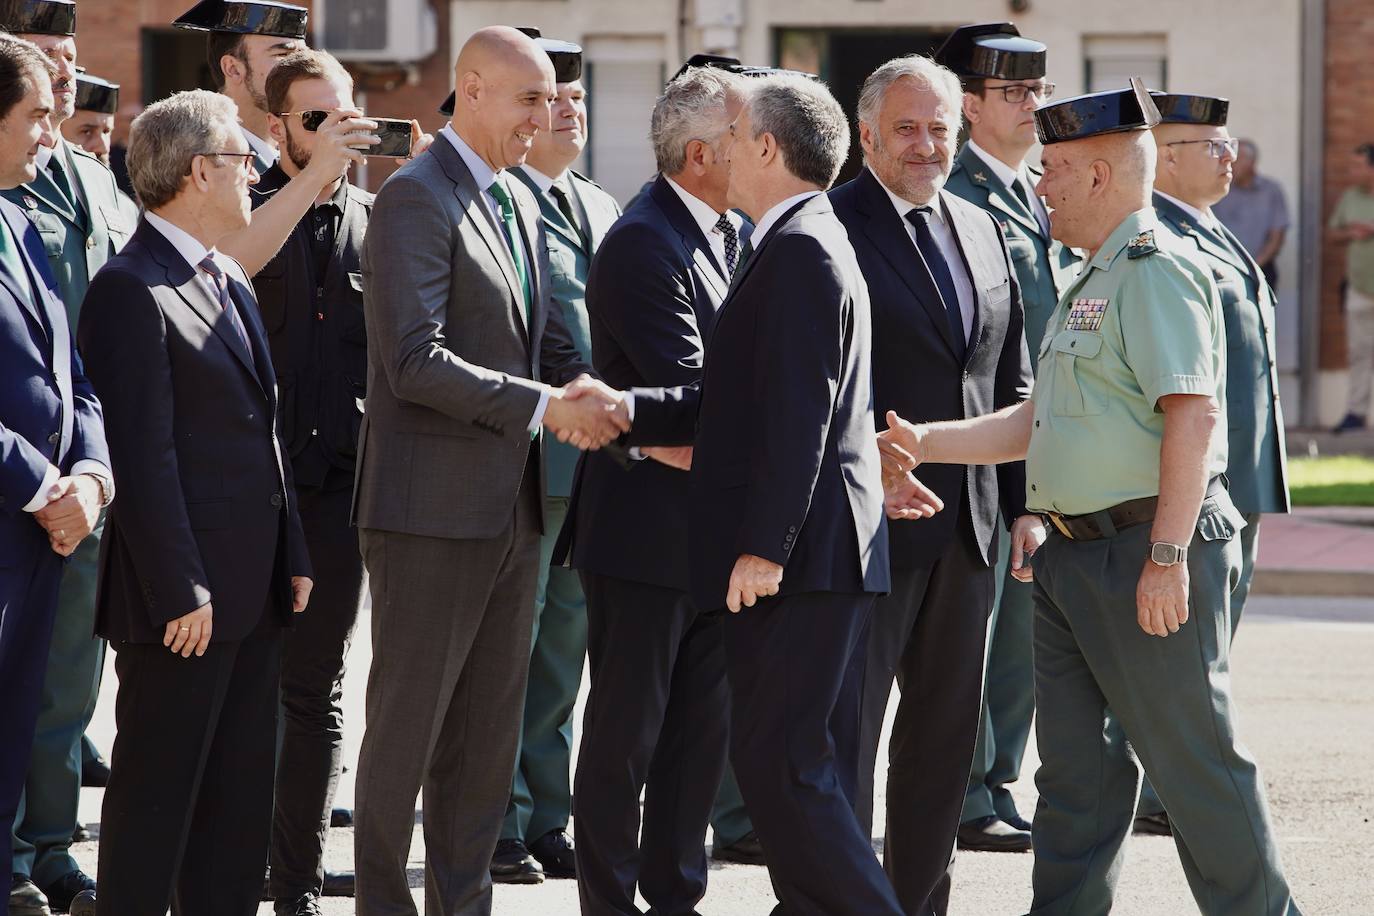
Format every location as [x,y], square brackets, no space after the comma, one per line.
[541,181]
[1203,218]
[775,213]
[483,176]
[943,234]
[706,218]
[1009,176]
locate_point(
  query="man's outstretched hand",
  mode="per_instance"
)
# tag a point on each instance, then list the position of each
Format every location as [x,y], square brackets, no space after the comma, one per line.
[905,497]
[587,413]
[899,446]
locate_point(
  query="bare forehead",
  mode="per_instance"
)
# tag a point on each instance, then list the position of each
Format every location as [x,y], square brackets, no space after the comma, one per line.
[913,99]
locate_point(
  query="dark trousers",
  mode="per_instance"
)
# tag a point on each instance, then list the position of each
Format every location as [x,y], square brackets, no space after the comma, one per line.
[451,624]
[656,720]
[188,811]
[929,634]
[312,672]
[796,667]
[29,576]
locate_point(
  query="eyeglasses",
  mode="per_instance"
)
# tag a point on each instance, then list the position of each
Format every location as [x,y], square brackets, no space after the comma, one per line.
[245,160]
[1016,94]
[1216,146]
[310,119]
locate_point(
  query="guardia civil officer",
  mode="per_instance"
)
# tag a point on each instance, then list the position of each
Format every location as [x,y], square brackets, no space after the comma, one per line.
[1003,75]
[1125,447]
[74,203]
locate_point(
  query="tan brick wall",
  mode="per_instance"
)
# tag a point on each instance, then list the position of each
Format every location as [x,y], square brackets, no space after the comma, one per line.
[1349,122]
[109,43]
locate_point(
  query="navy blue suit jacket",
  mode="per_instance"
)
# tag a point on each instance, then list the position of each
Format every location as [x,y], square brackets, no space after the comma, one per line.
[49,413]
[652,297]
[786,459]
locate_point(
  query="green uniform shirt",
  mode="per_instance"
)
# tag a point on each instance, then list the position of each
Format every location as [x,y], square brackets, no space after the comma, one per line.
[1142,321]
[1357,206]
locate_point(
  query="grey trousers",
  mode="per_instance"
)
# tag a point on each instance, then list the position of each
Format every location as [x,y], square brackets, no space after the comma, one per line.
[451,625]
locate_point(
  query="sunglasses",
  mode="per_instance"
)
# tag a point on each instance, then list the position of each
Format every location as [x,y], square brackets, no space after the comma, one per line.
[310,120]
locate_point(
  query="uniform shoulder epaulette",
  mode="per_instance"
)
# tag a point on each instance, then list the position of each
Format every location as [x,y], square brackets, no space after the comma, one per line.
[1142,245]
[78,151]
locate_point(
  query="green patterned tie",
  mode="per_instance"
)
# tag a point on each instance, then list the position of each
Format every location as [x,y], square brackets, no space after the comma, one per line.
[498,191]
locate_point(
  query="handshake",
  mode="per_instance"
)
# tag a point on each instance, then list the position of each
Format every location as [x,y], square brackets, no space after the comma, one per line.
[587,413]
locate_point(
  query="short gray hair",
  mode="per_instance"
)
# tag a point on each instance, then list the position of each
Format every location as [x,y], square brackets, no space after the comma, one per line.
[692,107]
[169,134]
[927,74]
[810,126]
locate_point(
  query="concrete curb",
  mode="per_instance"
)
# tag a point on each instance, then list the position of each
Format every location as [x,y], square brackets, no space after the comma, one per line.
[1326,583]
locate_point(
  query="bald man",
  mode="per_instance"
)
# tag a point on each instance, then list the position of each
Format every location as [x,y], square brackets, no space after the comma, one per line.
[467,366]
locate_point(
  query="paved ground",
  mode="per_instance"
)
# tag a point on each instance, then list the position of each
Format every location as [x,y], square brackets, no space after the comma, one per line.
[1317,551]
[1305,683]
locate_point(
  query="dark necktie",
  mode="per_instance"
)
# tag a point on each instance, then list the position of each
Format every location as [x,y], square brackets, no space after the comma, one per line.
[564,202]
[59,177]
[939,272]
[226,303]
[727,229]
[1018,188]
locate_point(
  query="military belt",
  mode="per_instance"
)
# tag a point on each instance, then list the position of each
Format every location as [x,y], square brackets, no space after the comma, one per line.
[1106,523]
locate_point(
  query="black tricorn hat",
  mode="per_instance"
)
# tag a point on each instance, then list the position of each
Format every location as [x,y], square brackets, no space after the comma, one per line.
[566,57]
[246,17]
[38,17]
[96,94]
[1111,112]
[992,50]
[1190,109]
[733,65]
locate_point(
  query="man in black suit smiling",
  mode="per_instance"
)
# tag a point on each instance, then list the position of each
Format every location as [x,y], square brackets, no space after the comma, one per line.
[786,518]
[948,341]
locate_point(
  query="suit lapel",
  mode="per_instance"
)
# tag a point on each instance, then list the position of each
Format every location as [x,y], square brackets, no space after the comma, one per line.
[599,219]
[885,230]
[686,226]
[960,229]
[1000,196]
[28,300]
[742,273]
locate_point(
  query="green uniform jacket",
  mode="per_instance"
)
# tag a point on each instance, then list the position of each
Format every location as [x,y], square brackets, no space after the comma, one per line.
[569,263]
[77,241]
[1044,267]
[1257,461]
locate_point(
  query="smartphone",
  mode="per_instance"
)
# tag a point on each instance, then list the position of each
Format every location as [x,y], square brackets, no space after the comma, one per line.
[395,136]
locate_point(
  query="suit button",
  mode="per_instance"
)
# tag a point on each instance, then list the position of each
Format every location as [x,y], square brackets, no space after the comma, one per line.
[90,243]
[250,416]
[792,529]
[54,439]
[276,500]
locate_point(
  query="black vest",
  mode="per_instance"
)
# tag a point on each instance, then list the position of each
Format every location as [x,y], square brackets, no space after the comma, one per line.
[318,338]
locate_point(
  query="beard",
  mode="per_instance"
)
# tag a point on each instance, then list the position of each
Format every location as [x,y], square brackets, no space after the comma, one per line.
[258,96]
[300,158]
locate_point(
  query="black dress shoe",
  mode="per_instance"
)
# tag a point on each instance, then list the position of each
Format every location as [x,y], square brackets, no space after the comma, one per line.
[1017,821]
[305,905]
[555,852]
[26,899]
[83,904]
[513,864]
[338,884]
[992,834]
[63,891]
[81,834]
[747,850]
[95,774]
[341,817]
[1153,824]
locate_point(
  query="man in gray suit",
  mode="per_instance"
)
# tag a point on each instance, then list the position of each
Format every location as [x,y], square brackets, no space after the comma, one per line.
[463,353]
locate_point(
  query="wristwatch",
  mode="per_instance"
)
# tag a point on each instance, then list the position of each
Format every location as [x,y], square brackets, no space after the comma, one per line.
[1164,554]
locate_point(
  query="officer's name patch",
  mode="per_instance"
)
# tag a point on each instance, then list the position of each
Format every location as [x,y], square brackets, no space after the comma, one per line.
[1086,314]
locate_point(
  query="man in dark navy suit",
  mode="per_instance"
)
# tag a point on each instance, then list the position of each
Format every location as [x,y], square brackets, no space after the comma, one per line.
[948,341]
[655,719]
[54,467]
[786,524]
[204,560]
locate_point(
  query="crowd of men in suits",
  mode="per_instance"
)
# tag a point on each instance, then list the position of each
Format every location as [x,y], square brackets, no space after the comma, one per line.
[542,430]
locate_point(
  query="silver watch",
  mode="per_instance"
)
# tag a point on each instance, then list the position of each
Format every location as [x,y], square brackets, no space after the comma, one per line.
[1164,554]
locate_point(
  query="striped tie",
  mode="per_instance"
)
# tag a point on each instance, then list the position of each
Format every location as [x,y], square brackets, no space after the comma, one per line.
[225,302]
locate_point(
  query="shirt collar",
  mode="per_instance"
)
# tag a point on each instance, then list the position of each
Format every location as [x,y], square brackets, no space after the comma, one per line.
[541,181]
[904,206]
[45,155]
[185,244]
[1143,220]
[1203,219]
[705,215]
[265,150]
[482,173]
[775,213]
[1005,173]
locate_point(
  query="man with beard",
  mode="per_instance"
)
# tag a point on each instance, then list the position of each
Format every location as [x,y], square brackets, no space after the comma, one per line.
[1124,443]
[947,341]
[311,301]
[74,203]
[1193,172]
[1004,81]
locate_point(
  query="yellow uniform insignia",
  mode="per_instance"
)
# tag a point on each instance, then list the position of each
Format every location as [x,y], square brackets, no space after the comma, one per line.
[1141,245]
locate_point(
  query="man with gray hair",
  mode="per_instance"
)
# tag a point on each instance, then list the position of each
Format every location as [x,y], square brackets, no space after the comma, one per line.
[204,560]
[948,341]
[654,721]
[785,523]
